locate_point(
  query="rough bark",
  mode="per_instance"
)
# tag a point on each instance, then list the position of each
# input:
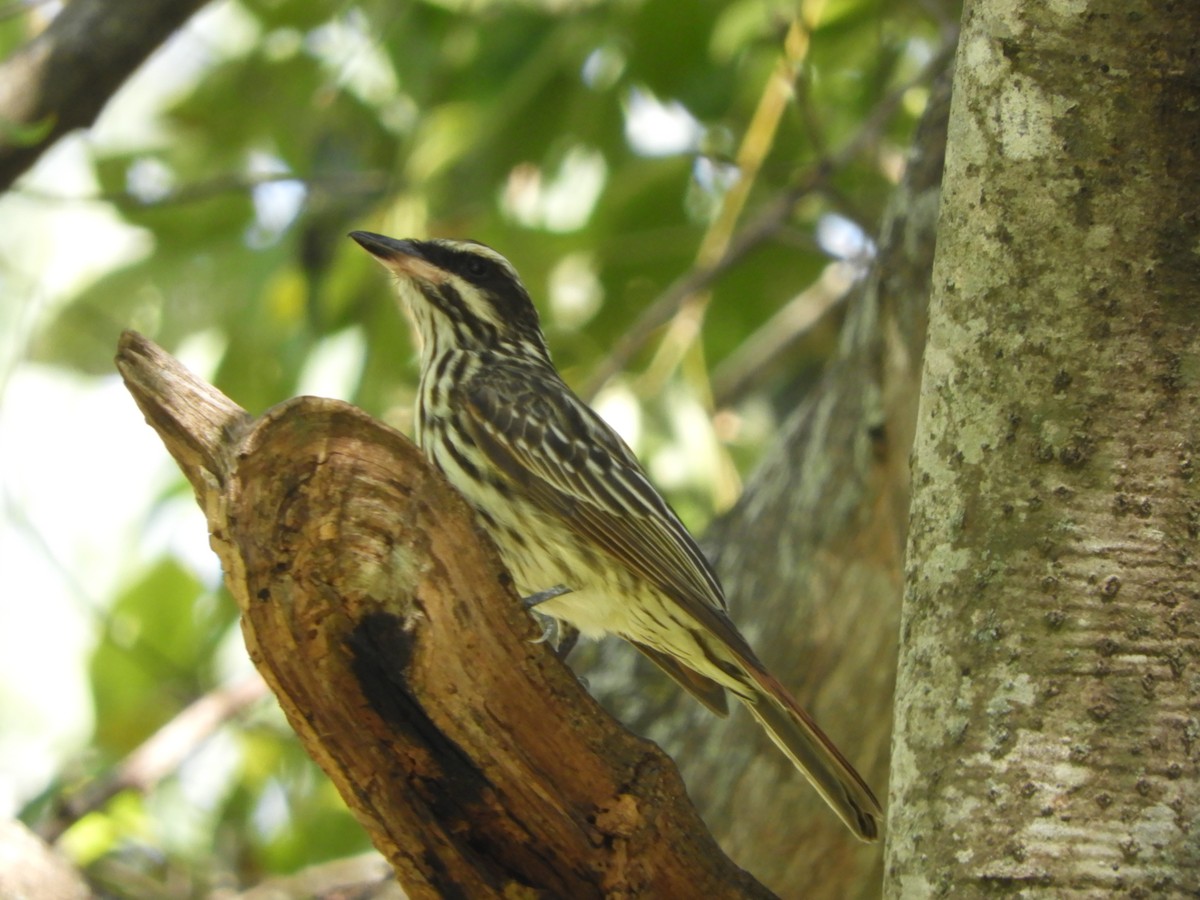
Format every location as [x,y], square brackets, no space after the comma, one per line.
[811,561]
[62,78]
[1047,694]
[386,625]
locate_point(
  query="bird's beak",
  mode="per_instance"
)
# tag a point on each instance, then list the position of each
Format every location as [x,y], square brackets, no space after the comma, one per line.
[399,257]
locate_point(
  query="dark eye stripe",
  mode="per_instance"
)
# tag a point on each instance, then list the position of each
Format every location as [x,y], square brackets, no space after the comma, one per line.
[488,305]
[476,267]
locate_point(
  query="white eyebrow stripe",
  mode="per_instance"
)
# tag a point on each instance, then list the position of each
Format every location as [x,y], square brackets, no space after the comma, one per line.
[479,250]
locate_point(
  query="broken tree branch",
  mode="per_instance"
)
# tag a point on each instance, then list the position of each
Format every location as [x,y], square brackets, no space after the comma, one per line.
[385,623]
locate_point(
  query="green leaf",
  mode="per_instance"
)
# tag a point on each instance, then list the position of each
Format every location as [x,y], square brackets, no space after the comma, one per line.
[144,668]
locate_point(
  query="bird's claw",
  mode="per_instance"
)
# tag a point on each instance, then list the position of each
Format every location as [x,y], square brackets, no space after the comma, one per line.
[562,639]
[549,630]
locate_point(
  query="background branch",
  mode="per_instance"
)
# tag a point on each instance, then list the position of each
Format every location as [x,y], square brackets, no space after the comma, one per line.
[340,183]
[160,755]
[62,78]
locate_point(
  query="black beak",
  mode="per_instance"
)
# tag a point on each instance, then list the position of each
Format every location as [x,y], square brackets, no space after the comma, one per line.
[385,248]
[403,258]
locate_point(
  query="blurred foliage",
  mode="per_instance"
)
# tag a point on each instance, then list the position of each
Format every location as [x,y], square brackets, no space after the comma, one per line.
[507,122]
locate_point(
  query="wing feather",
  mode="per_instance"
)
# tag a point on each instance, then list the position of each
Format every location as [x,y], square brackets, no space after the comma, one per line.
[572,464]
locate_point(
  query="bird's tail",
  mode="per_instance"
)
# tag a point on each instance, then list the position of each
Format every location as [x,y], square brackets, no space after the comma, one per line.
[805,744]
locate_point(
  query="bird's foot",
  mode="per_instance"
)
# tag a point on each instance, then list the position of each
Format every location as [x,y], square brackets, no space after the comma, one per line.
[541,597]
[561,637]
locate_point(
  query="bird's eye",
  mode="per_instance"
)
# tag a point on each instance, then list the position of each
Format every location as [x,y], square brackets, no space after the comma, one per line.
[475,267]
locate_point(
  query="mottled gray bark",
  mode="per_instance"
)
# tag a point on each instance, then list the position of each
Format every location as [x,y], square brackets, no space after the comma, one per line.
[62,78]
[1047,695]
[811,560]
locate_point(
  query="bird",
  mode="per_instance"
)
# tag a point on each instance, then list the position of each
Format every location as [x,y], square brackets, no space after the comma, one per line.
[587,538]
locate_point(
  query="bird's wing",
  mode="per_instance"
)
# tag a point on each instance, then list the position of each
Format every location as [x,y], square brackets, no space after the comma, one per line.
[573,465]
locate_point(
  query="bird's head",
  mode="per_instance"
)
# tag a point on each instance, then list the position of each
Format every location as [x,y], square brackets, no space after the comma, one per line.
[460,295]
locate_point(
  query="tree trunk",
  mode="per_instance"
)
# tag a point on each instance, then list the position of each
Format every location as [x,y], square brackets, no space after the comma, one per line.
[1047,696]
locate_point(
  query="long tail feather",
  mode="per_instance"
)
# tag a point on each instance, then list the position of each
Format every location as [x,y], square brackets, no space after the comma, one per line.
[806,745]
